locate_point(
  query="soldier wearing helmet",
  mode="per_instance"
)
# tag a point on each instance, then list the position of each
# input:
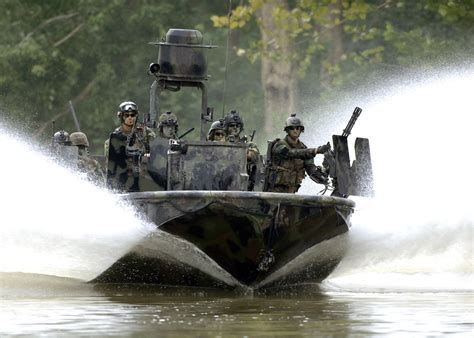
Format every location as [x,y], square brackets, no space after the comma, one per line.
[62,138]
[289,160]
[61,150]
[234,125]
[168,125]
[127,149]
[217,131]
[80,140]
[86,164]
[158,161]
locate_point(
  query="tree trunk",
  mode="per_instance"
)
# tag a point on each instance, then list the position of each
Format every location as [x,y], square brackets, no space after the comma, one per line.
[278,74]
[336,42]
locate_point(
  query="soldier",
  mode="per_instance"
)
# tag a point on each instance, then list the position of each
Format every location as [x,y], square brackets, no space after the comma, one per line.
[86,164]
[62,138]
[290,160]
[158,161]
[234,126]
[61,150]
[128,149]
[168,125]
[217,131]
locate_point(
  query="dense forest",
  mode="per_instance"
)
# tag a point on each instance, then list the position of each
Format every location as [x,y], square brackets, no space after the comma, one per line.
[274,56]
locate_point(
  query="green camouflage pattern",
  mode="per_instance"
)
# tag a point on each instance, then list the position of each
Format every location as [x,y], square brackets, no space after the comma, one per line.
[127,163]
[289,166]
[158,162]
[236,229]
[204,165]
[90,167]
[210,230]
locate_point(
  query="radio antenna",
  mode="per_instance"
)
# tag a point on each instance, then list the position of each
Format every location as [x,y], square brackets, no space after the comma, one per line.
[226,58]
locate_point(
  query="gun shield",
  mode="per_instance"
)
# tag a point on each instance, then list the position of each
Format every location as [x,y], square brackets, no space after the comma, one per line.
[355,180]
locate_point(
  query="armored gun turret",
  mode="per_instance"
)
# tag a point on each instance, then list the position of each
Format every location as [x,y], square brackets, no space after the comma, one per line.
[253,238]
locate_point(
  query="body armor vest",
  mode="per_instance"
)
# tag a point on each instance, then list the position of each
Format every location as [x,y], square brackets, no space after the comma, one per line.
[289,171]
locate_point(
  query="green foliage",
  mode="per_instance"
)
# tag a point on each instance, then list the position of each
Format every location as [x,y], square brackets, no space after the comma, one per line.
[96,53]
[379,37]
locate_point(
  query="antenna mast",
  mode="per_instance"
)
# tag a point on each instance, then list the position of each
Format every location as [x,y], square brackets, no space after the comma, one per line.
[226,58]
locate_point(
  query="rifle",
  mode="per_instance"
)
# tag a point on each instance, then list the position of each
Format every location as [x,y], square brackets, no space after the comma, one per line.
[270,173]
[148,122]
[252,136]
[185,133]
[136,154]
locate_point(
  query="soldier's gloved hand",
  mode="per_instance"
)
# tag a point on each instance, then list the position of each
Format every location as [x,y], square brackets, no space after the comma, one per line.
[324,148]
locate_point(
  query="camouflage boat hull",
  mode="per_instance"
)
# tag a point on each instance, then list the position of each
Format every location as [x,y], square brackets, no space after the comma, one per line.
[232,238]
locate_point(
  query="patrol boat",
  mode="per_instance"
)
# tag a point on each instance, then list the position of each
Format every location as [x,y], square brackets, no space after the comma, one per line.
[213,231]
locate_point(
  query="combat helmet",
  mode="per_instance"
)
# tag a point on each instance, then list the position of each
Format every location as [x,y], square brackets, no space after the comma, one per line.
[79,139]
[234,117]
[167,119]
[61,137]
[216,125]
[126,106]
[293,121]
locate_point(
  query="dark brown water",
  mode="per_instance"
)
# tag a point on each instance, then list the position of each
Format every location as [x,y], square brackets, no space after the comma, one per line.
[34,305]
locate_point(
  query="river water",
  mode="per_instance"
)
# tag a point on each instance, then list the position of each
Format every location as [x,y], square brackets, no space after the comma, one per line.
[409,270]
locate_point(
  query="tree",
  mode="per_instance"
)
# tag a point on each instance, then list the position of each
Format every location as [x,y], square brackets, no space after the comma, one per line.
[95,53]
[331,44]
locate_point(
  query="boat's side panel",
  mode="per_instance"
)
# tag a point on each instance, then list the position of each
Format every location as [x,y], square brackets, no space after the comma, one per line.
[237,233]
[233,232]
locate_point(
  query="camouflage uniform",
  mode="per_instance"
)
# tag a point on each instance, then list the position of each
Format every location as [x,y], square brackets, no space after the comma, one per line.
[91,168]
[291,160]
[127,152]
[86,164]
[253,154]
[158,162]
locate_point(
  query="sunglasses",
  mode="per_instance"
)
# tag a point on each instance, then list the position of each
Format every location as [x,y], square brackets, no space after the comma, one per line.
[234,125]
[129,115]
[293,128]
[219,134]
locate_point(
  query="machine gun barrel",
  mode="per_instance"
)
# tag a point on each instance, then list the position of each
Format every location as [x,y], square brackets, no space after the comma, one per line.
[347,130]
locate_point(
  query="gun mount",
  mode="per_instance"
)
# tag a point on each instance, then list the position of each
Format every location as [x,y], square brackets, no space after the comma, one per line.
[355,180]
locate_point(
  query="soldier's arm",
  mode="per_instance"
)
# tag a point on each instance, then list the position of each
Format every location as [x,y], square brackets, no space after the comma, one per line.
[282,150]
